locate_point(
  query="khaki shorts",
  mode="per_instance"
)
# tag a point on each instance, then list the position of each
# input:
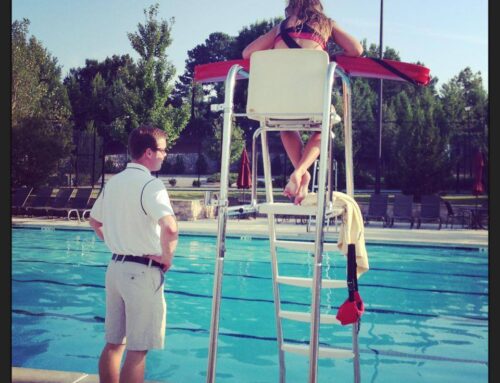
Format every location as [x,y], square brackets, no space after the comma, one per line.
[135,306]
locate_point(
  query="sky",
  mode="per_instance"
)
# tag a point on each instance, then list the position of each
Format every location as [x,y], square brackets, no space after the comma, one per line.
[445,35]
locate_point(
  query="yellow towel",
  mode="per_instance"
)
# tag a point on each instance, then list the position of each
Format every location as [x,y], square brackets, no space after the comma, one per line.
[352,230]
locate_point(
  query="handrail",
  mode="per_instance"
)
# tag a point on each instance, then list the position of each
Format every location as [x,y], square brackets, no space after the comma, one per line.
[222,220]
[320,213]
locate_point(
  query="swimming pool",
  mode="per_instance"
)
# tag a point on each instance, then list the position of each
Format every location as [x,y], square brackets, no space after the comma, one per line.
[426,317]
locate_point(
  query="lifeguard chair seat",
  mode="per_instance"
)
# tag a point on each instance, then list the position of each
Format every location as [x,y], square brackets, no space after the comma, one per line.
[287,84]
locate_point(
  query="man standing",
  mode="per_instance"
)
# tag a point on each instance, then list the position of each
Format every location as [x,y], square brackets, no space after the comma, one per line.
[134,217]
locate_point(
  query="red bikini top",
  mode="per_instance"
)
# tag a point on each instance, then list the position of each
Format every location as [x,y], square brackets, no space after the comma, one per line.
[301,31]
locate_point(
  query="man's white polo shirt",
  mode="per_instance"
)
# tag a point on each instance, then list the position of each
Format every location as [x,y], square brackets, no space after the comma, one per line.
[129,208]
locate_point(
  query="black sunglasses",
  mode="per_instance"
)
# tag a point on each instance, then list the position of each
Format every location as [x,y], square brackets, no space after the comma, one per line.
[164,151]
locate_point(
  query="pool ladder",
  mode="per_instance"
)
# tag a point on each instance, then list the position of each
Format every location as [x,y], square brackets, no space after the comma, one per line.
[278,74]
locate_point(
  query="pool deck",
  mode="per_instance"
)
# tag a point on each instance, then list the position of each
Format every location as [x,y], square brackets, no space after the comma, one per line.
[257,228]
[400,234]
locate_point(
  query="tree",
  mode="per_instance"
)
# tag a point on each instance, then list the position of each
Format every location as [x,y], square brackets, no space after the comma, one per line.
[41,130]
[155,73]
[464,113]
[423,165]
[215,143]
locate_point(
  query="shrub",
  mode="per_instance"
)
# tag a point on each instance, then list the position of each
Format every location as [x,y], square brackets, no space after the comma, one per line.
[166,167]
[216,178]
[179,165]
[172,182]
[201,164]
[196,183]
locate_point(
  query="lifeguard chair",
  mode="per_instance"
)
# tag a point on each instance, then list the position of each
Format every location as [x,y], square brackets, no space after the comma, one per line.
[291,89]
[288,90]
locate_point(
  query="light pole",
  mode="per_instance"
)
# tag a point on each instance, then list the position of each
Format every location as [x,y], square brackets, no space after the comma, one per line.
[467,143]
[379,93]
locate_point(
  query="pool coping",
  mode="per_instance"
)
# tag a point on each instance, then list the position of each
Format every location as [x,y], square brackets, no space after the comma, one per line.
[32,375]
[400,235]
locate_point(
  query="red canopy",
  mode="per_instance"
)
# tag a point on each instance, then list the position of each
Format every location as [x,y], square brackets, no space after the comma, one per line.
[353,66]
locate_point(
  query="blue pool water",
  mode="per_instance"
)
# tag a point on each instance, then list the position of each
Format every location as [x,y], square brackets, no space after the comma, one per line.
[426,317]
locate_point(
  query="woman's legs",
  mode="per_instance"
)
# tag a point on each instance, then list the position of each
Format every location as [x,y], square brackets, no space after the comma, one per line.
[309,155]
[292,142]
[301,161]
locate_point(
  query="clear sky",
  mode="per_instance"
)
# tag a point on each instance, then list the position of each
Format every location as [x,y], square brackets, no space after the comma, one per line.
[445,35]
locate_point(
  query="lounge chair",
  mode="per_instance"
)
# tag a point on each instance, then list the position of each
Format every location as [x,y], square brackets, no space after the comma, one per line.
[19,198]
[79,203]
[41,202]
[377,209]
[461,216]
[430,210]
[402,209]
[86,213]
[60,201]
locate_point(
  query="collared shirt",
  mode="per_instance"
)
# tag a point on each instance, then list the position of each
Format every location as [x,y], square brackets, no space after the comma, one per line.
[129,208]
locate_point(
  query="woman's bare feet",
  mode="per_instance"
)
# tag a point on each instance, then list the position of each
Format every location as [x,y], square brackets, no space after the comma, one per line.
[303,188]
[297,187]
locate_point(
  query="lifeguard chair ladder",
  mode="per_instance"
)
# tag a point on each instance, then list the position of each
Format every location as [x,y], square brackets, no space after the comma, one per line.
[289,89]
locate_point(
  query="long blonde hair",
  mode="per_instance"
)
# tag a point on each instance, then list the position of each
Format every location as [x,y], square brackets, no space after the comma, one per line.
[310,12]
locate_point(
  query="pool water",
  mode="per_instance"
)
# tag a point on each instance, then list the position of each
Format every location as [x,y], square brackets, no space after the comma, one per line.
[426,317]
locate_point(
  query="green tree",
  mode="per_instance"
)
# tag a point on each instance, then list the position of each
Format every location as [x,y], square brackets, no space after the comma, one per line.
[465,114]
[423,164]
[215,143]
[41,129]
[103,93]
[155,73]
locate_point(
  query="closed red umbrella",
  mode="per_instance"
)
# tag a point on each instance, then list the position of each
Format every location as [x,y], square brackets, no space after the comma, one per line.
[245,174]
[478,187]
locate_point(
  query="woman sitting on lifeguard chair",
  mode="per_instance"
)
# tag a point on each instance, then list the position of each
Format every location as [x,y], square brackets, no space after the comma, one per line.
[306,27]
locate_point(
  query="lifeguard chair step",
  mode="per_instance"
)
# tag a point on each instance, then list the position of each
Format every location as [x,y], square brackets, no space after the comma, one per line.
[307,282]
[304,246]
[306,317]
[323,352]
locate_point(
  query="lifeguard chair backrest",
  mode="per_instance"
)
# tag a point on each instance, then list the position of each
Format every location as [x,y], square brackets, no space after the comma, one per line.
[284,81]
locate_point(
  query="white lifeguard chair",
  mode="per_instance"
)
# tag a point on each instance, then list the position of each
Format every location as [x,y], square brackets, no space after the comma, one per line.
[288,89]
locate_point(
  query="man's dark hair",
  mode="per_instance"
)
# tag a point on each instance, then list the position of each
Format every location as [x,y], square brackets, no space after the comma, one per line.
[142,138]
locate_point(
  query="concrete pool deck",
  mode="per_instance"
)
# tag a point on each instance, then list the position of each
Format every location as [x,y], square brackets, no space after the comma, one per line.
[257,228]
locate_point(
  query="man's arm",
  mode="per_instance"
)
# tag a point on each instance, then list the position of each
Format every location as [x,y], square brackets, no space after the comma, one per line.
[169,235]
[97,226]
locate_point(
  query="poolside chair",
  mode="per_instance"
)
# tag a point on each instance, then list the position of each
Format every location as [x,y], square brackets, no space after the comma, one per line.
[93,196]
[79,203]
[377,209]
[461,216]
[430,210]
[402,209]
[19,198]
[41,202]
[60,201]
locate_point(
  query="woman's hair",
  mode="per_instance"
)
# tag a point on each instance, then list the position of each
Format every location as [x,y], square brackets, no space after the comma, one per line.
[310,12]
[142,138]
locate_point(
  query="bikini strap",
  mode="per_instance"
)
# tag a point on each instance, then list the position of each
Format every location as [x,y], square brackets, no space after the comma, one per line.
[291,43]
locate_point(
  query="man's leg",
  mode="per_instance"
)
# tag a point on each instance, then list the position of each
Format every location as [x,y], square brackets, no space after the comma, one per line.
[134,366]
[109,363]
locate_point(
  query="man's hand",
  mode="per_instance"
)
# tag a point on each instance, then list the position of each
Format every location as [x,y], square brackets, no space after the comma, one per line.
[159,259]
